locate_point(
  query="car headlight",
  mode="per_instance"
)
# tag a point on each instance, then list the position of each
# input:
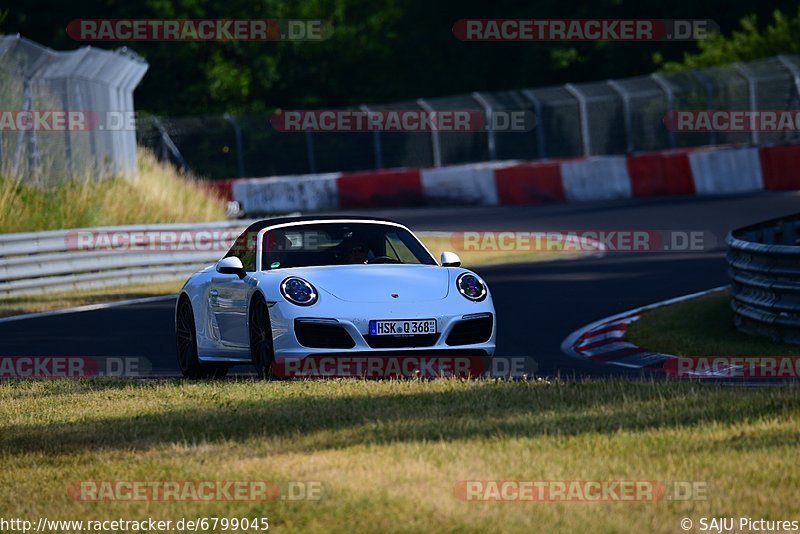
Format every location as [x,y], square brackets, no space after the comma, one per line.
[298,291]
[471,287]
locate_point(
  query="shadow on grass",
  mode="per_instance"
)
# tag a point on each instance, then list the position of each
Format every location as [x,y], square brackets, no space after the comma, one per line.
[316,422]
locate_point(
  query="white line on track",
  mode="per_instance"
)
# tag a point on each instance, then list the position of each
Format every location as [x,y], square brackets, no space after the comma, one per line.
[85,308]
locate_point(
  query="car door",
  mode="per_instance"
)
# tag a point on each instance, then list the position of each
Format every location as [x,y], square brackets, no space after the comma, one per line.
[228,296]
[227,301]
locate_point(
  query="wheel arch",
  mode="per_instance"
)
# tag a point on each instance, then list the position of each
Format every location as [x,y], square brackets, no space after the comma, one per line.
[257,293]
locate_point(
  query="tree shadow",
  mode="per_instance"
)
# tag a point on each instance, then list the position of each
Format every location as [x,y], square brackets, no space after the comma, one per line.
[315,422]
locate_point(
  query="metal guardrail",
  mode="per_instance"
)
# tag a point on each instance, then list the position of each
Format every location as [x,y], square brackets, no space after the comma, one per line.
[53,261]
[764,267]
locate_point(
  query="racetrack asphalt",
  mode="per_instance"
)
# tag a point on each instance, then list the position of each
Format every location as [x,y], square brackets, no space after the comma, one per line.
[537,304]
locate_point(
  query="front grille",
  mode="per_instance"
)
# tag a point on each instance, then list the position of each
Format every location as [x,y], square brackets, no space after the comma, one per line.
[399,342]
[322,335]
[469,331]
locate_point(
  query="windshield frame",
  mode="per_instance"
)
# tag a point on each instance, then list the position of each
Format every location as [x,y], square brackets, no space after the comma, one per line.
[315,222]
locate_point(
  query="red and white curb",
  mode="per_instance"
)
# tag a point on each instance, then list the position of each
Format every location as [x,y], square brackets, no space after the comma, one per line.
[712,170]
[604,341]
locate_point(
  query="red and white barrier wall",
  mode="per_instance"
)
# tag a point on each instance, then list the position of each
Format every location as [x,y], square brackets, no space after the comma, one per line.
[693,171]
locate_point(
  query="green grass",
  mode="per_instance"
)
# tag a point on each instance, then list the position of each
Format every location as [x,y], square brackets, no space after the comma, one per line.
[390,453]
[701,327]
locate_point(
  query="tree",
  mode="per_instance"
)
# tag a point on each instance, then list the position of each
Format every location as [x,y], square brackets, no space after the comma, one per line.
[782,36]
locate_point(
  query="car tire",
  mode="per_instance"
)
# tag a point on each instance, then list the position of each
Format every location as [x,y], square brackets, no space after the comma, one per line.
[262,351]
[186,345]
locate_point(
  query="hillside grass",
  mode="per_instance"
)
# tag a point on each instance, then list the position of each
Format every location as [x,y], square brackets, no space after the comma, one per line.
[160,194]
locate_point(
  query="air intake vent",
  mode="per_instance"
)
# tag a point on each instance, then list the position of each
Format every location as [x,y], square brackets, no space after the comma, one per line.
[322,335]
[470,331]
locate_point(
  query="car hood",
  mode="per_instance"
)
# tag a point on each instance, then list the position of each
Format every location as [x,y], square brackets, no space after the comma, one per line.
[377,283]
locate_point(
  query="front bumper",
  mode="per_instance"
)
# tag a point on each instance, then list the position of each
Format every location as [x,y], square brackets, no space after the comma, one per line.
[354,319]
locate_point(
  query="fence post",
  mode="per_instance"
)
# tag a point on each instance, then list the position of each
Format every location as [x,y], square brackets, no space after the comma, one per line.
[488,113]
[626,110]
[709,87]
[752,93]
[168,146]
[792,68]
[537,109]
[81,104]
[376,141]
[312,162]
[67,138]
[583,109]
[26,107]
[435,146]
[237,132]
[670,96]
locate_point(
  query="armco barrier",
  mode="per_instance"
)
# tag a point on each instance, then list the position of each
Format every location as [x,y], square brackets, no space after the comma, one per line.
[59,261]
[764,267]
[54,261]
[715,170]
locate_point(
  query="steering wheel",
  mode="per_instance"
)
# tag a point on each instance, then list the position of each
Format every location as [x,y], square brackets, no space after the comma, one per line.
[383,259]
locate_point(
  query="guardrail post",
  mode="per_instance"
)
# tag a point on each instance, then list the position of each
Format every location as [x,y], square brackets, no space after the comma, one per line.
[435,146]
[488,113]
[583,109]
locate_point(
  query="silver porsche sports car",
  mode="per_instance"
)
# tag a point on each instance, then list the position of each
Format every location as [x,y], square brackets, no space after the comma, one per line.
[331,296]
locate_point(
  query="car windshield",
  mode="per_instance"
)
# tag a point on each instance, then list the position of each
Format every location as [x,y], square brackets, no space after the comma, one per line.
[317,244]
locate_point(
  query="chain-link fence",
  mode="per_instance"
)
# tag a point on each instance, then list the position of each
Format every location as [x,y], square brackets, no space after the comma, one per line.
[611,117]
[66,114]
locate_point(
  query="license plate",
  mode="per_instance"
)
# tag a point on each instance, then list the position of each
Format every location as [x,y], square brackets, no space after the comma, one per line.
[403,327]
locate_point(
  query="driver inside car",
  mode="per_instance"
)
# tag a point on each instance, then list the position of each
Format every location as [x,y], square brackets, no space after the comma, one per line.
[356,253]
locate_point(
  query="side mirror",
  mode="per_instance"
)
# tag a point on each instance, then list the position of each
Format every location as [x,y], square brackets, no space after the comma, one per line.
[450,259]
[231,265]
